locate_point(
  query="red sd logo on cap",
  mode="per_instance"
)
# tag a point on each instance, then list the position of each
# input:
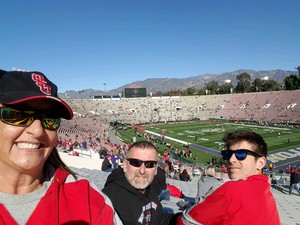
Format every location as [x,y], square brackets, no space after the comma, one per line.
[42,83]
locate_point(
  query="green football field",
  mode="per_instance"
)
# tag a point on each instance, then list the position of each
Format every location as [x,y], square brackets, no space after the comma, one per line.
[209,134]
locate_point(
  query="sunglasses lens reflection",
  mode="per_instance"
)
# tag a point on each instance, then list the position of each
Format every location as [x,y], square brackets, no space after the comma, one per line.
[25,118]
[239,154]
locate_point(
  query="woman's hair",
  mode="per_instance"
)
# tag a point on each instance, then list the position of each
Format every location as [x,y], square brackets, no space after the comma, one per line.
[55,161]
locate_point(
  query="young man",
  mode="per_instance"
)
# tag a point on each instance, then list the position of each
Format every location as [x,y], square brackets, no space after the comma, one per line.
[36,187]
[247,198]
[129,188]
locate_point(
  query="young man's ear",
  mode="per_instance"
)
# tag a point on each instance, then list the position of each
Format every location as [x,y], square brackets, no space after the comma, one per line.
[261,163]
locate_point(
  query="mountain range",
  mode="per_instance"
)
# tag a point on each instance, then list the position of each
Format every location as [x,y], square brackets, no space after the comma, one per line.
[166,84]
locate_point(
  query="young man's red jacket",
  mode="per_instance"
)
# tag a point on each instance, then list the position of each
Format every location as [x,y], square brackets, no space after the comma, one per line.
[239,202]
[74,202]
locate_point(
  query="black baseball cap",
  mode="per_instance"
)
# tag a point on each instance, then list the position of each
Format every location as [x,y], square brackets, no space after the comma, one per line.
[34,90]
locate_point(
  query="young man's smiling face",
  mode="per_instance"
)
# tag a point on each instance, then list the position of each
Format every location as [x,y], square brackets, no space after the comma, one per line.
[251,165]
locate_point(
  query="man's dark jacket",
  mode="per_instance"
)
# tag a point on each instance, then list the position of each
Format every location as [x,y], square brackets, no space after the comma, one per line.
[133,207]
[159,182]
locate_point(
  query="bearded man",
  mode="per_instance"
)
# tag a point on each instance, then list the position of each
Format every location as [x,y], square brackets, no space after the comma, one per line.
[129,188]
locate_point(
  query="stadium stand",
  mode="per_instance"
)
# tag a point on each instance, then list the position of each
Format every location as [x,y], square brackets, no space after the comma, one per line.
[283,106]
[280,106]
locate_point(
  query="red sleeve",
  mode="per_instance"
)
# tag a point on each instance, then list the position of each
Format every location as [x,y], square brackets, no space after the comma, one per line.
[101,208]
[212,211]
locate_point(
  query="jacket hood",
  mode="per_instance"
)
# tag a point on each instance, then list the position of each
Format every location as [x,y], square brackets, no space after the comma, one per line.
[117,177]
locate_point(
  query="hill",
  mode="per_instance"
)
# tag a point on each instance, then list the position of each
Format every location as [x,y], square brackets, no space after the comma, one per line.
[166,84]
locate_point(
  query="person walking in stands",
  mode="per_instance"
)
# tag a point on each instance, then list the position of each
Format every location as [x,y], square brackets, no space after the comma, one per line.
[84,144]
[64,144]
[36,187]
[107,164]
[129,188]
[295,180]
[246,199]
[70,145]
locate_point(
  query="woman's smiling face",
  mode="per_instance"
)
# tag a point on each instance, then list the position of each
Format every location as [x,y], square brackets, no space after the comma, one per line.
[25,149]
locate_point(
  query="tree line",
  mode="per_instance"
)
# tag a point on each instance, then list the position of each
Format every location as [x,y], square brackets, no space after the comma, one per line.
[244,85]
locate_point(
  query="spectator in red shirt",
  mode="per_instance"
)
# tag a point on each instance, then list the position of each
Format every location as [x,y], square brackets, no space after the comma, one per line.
[247,198]
[224,169]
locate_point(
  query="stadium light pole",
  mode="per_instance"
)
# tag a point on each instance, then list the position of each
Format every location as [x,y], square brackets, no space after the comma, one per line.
[171,110]
[18,69]
[150,102]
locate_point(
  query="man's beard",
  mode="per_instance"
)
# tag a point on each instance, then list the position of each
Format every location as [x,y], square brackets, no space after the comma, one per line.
[139,185]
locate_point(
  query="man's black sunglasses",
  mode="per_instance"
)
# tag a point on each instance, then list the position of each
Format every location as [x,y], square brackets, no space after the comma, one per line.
[240,154]
[138,163]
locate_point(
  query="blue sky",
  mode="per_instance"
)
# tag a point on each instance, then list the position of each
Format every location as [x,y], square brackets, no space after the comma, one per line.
[81,44]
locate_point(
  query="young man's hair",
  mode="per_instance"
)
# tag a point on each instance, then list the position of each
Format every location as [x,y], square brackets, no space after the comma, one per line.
[142,144]
[256,140]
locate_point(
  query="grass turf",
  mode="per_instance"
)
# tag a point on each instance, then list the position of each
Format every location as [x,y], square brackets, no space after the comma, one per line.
[209,134]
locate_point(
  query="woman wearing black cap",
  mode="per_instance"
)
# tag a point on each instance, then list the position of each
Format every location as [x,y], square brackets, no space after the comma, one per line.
[36,187]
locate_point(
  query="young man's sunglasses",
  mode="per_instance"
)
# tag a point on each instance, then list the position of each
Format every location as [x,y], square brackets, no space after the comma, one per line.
[240,154]
[138,163]
[25,118]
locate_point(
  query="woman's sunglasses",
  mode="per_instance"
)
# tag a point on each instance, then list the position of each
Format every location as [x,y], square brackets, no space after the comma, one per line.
[138,163]
[240,154]
[25,118]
